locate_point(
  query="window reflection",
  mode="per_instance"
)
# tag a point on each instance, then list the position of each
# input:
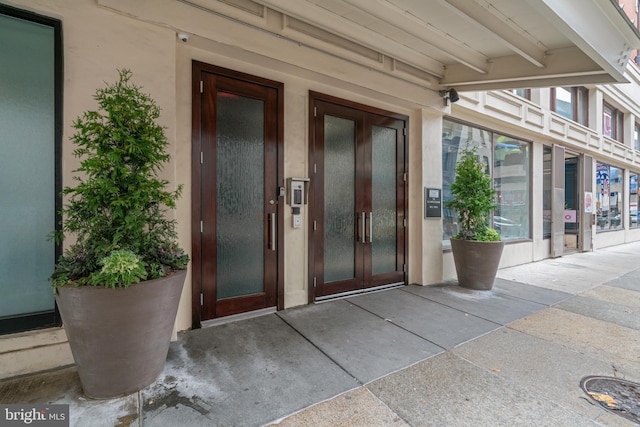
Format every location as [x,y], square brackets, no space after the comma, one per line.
[612,122]
[609,196]
[546,192]
[572,103]
[633,200]
[511,181]
[564,102]
[506,160]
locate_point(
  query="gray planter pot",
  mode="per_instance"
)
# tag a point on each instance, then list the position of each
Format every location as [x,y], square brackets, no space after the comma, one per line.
[476,262]
[120,337]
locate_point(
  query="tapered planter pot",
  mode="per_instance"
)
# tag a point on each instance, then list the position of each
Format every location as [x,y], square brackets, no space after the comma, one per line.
[476,262]
[120,337]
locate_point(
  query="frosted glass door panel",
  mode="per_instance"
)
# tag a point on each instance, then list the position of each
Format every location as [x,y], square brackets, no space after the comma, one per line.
[240,196]
[27,166]
[383,199]
[359,198]
[339,198]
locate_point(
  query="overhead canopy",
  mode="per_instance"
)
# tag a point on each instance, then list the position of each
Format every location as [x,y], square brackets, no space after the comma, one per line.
[476,44]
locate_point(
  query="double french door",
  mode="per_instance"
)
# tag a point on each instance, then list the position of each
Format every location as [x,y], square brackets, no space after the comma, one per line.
[237,164]
[358,219]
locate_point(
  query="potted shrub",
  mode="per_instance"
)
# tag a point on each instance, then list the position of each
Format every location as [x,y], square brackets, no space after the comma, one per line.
[477,247]
[119,283]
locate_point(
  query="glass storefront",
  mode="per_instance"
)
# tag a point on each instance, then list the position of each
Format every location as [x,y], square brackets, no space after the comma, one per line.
[633,200]
[511,181]
[507,161]
[546,191]
[609,196]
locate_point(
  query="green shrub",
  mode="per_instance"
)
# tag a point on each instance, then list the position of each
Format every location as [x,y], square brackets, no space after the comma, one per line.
[473,198]
[120,268]
[488,235]
[118,202]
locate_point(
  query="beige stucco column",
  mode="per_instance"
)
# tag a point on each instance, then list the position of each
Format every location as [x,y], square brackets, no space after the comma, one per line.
[426,234]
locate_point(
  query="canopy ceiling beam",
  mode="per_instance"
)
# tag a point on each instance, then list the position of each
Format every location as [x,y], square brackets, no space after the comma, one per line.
[423,31]
[506,31]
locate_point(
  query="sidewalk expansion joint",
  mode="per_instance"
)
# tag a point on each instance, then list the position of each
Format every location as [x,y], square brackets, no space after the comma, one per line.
[396,325]
[335,362]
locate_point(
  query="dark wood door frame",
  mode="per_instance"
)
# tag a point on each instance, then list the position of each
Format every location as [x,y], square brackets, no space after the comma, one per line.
[199,71]
[316,164]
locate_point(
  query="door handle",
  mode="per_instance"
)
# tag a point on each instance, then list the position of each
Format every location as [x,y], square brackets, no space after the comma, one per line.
[362,227]
[370,227]
[272,231]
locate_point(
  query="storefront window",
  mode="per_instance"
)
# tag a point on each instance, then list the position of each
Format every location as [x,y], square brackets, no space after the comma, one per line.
[511,181]
[455,137]
[633,200]
[609,186]
[546,192]
[507,160]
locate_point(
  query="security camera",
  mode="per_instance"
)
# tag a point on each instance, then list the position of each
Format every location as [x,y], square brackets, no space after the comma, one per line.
[184,37]
[449,96]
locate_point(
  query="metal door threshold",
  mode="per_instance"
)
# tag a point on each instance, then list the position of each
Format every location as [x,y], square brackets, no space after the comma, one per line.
[236,317]
[358,292]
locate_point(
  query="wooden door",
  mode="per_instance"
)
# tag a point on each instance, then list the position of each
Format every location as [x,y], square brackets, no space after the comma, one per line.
[358,222]
[237,214]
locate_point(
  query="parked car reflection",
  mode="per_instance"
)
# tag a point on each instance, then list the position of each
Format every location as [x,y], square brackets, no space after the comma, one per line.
[506,226]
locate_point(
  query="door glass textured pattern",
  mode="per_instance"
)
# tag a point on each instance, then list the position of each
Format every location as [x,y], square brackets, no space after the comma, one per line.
[27,166]
[339,199]
[384,199]
[240,194]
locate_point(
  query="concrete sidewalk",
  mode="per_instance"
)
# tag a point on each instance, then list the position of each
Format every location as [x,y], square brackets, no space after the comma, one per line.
[436,355]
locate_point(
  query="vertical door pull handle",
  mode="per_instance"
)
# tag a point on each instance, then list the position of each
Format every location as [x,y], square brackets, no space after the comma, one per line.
[370,227]
[362,226]
[272,220]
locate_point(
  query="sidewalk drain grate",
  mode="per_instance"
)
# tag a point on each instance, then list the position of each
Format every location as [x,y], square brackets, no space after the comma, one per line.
[618,396]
